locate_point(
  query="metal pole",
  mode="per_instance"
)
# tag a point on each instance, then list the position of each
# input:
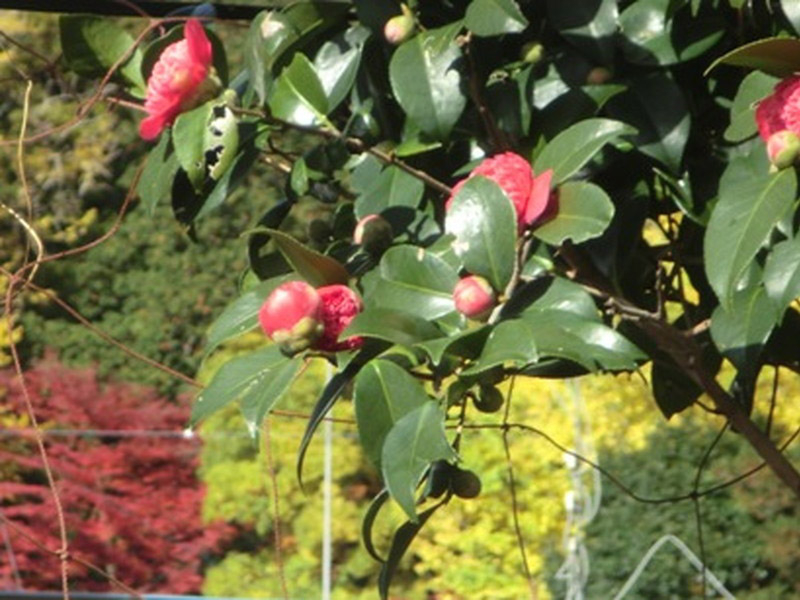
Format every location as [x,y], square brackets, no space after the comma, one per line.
[327,484]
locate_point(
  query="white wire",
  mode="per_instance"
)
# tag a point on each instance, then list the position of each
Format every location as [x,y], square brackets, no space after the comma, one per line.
[690,556]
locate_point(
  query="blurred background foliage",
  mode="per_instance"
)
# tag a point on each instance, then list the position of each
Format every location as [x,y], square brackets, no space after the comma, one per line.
[155,289]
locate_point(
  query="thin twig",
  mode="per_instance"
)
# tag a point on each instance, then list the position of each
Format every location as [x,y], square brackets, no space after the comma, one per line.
[276,509]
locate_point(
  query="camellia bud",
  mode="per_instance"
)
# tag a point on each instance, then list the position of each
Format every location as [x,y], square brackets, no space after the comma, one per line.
[474,297]
[531,53]
[374,234]
[599,76]
[292,316]
[399,28]
[340,305]
[783,148]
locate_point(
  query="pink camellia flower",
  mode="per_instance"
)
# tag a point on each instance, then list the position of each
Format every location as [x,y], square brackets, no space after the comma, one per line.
[529,193]
[292,316]
[340,305]
[474,297]
[182,79]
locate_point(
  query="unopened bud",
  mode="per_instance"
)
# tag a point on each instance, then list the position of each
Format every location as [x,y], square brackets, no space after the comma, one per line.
[474,297]
[531,53]
[292,316]
[399,28]
[599,76]
[374,234]
[783,148]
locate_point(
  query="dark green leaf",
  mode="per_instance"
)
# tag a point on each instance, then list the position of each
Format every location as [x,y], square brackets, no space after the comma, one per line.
[317,269]
[369,520]
[270,34]
[753,88]
[741,329]
[413,443]
[188,137]
[158,175]
[576,145]
[426,77]
[510,341]
[751,202]
[330,394]
[655,106]
[257,403]
[248,377]
[494,17]
[782,273]
[484,222]
[241,315]
[393,187]
[384,393]
[584,212]
[298,96]
[336,63]
[590,25]
[465,344]
[776,56]
[412,277]
[395,326]
[653,37]
[92,45]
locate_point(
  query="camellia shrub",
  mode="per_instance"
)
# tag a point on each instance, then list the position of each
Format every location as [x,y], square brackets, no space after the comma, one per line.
[492,172]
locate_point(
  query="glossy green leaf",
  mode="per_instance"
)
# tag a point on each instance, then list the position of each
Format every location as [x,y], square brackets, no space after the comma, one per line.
[782,273]
[776,56]
[413,277]
[270,34]
[188,139]
[155,184]
[584,212]
[367,523]
[741,329]
[576,145]
[249,378]
[393,187]
[751,202]
[427,79]
[653,37]
[590,25]
[317,269]
[483,221]
[92,45]
[241,315]
[298,96]
[753,88]
[258,402]
[565,295]
[384,393]
[511,341]
[494,17]
[395,326]
[465,344]
[585,341]
[336,63]
[413,443]
[655,106]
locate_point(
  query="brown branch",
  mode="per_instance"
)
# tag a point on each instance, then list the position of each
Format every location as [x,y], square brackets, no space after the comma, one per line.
[276,510]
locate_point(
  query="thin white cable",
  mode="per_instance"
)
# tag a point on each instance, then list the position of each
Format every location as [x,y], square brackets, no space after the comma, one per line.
[690,556]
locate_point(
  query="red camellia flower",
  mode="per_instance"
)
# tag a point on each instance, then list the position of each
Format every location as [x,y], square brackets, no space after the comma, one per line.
[181,80]
[298,317]
[777,117]
[474,297]
[340,305]
[529,193]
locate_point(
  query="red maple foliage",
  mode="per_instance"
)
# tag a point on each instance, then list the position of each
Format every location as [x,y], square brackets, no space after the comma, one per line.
[132,504]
